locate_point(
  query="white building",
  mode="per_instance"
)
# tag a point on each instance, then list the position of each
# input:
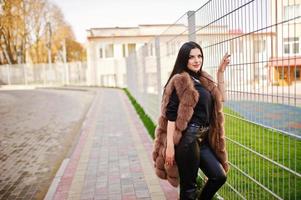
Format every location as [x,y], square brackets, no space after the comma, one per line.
[109,49]
[285,63]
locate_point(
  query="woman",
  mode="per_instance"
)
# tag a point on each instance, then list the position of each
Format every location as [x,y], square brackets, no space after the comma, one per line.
[190,132]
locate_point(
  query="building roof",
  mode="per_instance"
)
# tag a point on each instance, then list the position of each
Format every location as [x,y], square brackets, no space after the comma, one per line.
[147,30]
[152,30]
[285,61]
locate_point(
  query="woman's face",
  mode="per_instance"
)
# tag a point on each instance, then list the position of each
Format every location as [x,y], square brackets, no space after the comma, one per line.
[195,60]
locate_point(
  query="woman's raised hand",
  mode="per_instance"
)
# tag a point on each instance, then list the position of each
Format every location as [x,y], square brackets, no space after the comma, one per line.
[224,62]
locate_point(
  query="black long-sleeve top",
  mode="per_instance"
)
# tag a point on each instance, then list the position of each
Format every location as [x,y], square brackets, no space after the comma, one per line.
[202,110]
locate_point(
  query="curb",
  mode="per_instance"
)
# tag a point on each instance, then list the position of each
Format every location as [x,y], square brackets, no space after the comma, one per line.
[56,180]
[60,173]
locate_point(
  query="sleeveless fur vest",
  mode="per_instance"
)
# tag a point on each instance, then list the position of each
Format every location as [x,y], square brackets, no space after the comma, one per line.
[188,97]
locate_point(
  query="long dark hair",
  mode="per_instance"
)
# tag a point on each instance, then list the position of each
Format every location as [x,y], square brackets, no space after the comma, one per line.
[182,59]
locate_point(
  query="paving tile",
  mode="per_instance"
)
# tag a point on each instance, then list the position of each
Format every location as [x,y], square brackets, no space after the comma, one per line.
[142,193]
[129,197]
[115,197]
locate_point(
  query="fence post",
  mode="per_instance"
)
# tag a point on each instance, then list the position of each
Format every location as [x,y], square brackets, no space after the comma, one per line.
[135,74]
[8,74]
[144,54]
[144,76]
[67,71]
[66,67]
[191,26]
[158,61]
[129,74]
[116,72]
[44,73]
[25,73]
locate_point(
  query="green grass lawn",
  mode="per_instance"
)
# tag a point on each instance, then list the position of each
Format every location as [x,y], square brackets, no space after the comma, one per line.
[148,123]
[280,148]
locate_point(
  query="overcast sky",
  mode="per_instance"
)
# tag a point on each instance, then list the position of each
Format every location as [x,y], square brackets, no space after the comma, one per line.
[85,14]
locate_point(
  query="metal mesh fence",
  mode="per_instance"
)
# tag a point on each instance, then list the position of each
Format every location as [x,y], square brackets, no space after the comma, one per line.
[263,123]
[44,74]
[149,67]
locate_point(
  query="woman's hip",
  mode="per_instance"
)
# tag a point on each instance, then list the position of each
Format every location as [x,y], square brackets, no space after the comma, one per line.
[196,132]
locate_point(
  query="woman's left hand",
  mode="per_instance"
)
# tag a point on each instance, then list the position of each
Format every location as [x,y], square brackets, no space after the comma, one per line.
[224,62]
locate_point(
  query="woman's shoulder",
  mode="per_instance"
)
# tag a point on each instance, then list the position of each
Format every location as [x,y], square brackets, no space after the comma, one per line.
[181,82]
[177,83]
[179,77]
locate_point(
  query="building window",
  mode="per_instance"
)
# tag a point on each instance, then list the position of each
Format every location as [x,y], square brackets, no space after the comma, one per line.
[291,11]
[296,48]
[259,46]
[100,52]
[286,48]
[291,45]
[109,49]
[149,49]
[127,49]
[298,73]
[131,48]
[123,50]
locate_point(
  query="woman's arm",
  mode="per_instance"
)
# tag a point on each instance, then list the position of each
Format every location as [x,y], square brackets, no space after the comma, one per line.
[171,114]
[220,75]
[170,152]
[221,84]
[170,131]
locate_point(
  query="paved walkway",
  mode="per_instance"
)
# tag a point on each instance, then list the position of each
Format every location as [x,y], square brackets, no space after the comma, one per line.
[37,130]
[112,159]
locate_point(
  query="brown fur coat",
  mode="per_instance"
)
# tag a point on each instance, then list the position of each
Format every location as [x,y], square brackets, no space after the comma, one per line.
[188,97]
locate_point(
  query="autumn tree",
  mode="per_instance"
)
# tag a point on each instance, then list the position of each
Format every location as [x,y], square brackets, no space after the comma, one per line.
[12,31]
[29,29]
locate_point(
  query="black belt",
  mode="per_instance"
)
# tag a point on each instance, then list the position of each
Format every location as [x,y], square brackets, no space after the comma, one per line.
[200,127]
[201,131]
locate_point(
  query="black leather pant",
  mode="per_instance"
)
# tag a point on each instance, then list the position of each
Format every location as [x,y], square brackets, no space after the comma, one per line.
[192,154]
